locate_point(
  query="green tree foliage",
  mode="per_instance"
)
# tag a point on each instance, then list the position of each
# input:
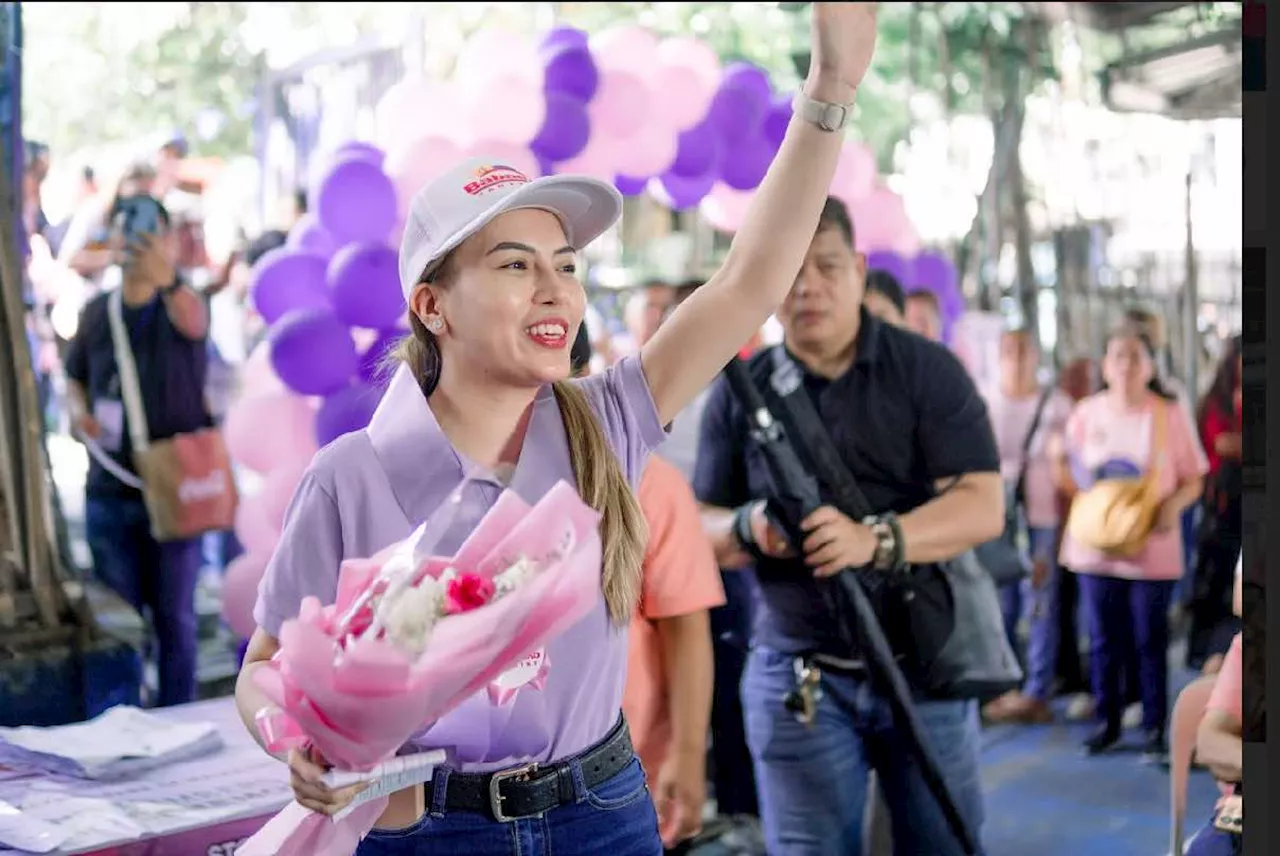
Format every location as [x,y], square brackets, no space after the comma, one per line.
[100,73]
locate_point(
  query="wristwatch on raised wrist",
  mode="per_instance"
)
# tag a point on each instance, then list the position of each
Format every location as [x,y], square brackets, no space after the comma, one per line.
[166,290]
[827,116]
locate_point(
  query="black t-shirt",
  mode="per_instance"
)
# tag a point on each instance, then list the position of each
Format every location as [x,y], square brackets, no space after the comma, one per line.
[905,415]
[171,376]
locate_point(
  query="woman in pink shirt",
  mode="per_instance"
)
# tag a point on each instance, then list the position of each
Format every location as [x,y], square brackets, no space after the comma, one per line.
[1112,435]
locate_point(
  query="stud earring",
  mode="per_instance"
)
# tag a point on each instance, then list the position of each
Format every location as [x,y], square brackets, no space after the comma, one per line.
[435,324]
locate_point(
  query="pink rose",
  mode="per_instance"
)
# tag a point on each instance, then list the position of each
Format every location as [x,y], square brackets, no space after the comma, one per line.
[467,592]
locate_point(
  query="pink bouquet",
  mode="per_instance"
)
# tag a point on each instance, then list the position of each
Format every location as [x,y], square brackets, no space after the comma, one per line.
[411,636]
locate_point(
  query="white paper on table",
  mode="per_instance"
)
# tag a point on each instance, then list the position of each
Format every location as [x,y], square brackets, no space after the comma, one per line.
[119,734]
[88,822]
[21,831]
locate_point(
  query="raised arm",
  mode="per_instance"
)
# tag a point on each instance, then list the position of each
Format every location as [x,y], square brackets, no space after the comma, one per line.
[708,329]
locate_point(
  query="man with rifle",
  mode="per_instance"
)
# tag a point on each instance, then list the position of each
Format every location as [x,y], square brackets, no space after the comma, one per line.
[909,427]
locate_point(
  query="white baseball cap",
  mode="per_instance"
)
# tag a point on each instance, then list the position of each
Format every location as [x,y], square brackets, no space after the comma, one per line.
[461,202]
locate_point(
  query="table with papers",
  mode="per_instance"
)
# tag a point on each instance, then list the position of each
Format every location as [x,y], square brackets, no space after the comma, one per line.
[184,796]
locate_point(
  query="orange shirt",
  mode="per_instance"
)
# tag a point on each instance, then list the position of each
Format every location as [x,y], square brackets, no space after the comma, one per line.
[680,577]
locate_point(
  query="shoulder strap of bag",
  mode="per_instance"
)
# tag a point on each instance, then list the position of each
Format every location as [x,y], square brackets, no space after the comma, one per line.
[1159,433]
[801,419]
[1019,490]
[130,389]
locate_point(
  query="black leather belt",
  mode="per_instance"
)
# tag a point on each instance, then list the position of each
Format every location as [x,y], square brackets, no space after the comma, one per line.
[532,789]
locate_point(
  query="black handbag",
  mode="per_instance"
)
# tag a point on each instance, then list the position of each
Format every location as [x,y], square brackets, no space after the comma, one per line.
[1007,558]
[945,619]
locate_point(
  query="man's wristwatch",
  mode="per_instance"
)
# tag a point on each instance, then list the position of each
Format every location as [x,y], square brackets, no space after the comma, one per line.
[166,290]
[888,552]
[827,116]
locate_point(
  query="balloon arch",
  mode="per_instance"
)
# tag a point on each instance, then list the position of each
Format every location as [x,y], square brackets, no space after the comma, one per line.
[654,116]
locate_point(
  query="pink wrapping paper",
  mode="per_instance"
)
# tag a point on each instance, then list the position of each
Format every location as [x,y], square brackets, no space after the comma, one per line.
[321,692]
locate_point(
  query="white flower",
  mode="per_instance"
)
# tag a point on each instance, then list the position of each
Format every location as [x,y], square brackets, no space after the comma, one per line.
[516,575]
[412,613]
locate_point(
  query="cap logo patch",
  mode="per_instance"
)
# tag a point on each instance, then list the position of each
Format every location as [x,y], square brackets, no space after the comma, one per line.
[488,178]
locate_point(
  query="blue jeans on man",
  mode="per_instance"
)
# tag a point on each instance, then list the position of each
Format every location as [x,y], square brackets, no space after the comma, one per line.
[155,579]
[1039,605]
[813,779]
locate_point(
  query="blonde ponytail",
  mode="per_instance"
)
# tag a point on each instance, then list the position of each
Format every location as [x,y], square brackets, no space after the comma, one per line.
[604,487]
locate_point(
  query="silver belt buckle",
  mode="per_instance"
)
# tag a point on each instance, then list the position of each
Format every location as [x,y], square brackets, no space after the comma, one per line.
[495,789]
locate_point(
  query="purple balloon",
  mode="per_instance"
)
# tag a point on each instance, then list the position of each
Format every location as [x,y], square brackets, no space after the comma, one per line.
[777,119]
[891,262]
[697,151]
[362,150]
[309,236]
[356,201]
[569,69]
[284,280]
[751,77]
[346,410]
[312,351]
[566,129]
[372,362]
[364,286]
[545,165]
[936,272]
[684,192]
[560,36]
[744,165]
[629,185]
[736,112]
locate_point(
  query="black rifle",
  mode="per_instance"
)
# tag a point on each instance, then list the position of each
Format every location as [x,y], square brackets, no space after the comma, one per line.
[795,496]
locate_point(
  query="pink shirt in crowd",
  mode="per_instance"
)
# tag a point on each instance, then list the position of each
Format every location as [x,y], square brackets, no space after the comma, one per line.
[1104,440]
[680,578]
[1011,420]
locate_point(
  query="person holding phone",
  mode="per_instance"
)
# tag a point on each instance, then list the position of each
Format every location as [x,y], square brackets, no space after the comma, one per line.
[167,323]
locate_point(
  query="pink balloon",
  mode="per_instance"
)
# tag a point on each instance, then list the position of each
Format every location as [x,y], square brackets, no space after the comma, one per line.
[256,533]
[855,176]
[412,108]
[491,55]
[880,220]
[687,74]
[596,161]
[417,162]
[257,377]
[240,591]
[506,154]
[262,431]
[509,108]
[726,208]
[693,54]
[622,106]
[625,48]
[278,489]
[650,151]
[685,97]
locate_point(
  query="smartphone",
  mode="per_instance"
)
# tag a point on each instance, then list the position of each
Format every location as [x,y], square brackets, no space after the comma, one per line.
[137,216]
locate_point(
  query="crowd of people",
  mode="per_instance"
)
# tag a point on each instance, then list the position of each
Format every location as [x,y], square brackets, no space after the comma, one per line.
[740,679]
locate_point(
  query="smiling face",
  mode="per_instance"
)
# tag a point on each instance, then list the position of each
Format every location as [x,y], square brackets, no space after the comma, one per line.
[510,301]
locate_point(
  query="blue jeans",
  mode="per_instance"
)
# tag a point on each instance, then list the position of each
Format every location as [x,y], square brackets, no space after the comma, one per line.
[1128,623]
[159,579]
[813,780]
[615,818]
[1040,607]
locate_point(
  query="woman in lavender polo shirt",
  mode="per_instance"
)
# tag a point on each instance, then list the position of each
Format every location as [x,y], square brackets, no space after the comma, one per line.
[487,267]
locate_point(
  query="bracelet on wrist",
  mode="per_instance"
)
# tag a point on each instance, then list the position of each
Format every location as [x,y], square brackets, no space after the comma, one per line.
[742,530]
